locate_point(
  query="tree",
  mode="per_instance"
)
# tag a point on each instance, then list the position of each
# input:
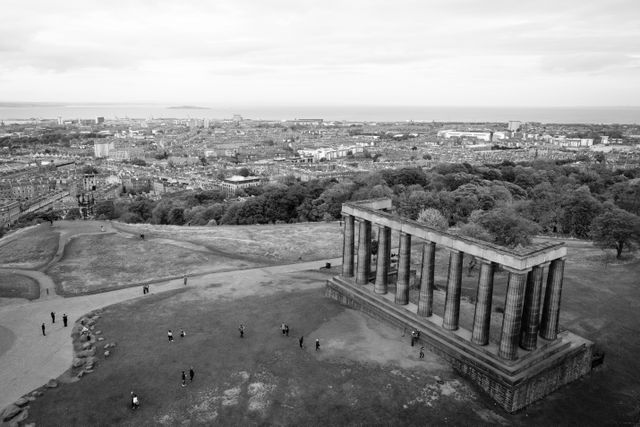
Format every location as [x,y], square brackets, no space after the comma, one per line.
[615,228]
[73,213]
[507,227]
[580,208]
[244,172]
[433,218]
[90,170]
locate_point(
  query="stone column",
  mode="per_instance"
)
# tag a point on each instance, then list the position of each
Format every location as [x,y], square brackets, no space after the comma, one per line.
[512,315]
[531,311]
[384,259]
[347,248]
[551,308]
[484,295]
[404,272]
[364,253]
[454,286]
[425,301]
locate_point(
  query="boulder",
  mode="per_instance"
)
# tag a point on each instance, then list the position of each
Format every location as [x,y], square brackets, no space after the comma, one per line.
[80,374]
[92,327]
[52,383]
[97,332]
[90,323]
[88,371]
[31,398]
[21,402]
[113,344]
[10,411]
[37,393]
[107,345]
[107,353]
[100,338]
[77,362]
[19,418]
[86,345]
[87,353]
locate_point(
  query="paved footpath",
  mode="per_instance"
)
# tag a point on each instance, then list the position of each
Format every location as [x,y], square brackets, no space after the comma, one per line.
[33,359]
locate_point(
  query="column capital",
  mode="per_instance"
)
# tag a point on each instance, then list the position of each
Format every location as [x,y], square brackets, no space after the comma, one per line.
[516,271]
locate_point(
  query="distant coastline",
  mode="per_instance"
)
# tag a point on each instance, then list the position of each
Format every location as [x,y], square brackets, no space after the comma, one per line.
[188,107]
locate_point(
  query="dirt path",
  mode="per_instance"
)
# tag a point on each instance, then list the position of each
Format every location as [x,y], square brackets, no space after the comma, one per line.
[33,359]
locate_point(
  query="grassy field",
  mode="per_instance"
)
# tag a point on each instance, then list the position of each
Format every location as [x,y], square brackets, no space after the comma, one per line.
[18,286]
[264,378]
[282,243]
[100,262]
[30,248]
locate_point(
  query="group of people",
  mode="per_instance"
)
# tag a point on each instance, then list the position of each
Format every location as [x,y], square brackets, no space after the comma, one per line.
[65,321]
[170,334]
[145,289]
[285,329]
[192,374]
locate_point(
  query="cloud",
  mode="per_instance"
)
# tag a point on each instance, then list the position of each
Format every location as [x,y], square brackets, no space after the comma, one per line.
[592,62]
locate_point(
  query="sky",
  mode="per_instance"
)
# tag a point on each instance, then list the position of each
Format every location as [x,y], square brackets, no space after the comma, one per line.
[300,52]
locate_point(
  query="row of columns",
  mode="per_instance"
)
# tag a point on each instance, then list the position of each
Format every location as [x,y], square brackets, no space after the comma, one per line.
[524,316]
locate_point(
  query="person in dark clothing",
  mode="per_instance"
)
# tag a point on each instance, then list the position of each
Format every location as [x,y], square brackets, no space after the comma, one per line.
[184,379]
[422,352]
[286,330]
[317,344]
[241,329]
[43,329]
[170,335]
[192,374]
[53,317]
[135,402]
[64,319]
[301,341]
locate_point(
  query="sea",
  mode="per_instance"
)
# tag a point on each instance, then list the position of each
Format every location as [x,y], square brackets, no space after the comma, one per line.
[21,112]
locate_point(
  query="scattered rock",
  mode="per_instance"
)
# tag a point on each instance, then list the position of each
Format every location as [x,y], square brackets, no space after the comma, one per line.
[77,362]
[31,398]
[88,371]
[80,374]
[21,402]
[20,417]
[113,344]
[52,383]
[86,345]
[100,338]
[97,332]
[10,411]
[30,425]
[92,327]
[37,393]
[107,345]
[91,323]
[87,353]
[107,353]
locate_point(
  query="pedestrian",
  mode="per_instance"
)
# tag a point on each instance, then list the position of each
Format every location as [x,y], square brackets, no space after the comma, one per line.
[170,335]
[64,319]
[144,289]
[241,329]
[192,374]
[43,329]
[185,280]
[422,352]
[282,327]
[53,317]
[317,344]
[135,402]
[184,379]
[301,341]
[182,333]
[102,228]
[286,330]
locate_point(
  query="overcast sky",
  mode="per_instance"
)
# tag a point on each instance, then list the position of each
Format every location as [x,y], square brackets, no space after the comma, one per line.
[346,52]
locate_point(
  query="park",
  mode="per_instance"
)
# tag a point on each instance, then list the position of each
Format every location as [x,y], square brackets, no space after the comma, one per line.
[365,372]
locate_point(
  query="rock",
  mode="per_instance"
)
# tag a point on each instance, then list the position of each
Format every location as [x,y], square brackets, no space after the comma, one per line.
[97,332]
[86,345]
[21,402]
[88,371]
[31,398]
[107,353]
[92,327]
[100,338]
[91,323]
[80,374]
[19,418]
[77,362]
[113,344]
[107,345]
[51,383]
[87,353]
[10,411]
[96,317]
[30,425]
[37,393]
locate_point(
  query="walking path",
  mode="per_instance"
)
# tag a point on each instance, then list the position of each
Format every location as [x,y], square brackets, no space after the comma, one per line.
[33,359]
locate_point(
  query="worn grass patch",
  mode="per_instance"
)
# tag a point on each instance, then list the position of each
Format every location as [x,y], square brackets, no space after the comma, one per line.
[29,249]
[18,286]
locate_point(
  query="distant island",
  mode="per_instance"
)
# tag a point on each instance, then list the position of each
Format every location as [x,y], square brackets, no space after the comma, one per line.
[188,107]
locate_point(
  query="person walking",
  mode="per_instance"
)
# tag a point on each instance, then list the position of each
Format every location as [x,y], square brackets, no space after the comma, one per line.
[317,344]
[43,329]
[135,402]
[283,327]
[422,352]
[241,329]
[185,280]
[184,379]
[64,319]
[301,341]
[192,374]
[170,335]
[182,333]
[53,317]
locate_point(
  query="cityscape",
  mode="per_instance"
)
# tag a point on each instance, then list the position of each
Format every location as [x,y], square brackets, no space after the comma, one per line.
[281,213]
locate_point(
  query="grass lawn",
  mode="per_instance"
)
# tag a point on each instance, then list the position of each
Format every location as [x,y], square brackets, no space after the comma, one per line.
[18,286]
[107,261]
[264,378]
[30,248]
[281,243]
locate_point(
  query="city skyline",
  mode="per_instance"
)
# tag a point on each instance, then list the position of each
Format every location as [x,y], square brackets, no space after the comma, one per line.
[360,53]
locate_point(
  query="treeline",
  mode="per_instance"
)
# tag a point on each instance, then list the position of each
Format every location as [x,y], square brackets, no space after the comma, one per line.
[504,203]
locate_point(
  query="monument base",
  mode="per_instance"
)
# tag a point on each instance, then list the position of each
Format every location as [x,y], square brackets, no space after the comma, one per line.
[513,384]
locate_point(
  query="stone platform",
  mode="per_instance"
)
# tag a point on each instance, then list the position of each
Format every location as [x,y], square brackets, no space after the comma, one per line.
[513,384]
